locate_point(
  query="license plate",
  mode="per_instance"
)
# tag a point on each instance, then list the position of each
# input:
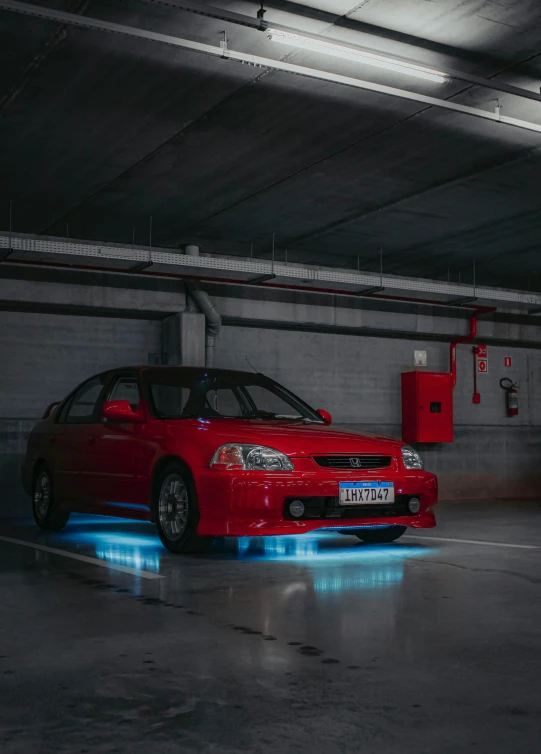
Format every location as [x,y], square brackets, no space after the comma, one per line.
[360,493]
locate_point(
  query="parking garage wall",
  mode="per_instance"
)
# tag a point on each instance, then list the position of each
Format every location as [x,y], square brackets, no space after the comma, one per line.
[357,379]
[355,376]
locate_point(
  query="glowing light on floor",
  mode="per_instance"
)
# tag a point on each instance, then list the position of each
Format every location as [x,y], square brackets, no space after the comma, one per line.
[123,540]
[371,579]
[134,558]
[335,564]
[137,545]
[120,541]
[324,547]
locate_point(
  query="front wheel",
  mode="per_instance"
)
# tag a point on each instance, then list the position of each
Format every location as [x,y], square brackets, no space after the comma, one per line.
[176,512]
[45,509]
[380,536]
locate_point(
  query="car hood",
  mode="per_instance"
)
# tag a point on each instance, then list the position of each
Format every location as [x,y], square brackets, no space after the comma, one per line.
[294,438]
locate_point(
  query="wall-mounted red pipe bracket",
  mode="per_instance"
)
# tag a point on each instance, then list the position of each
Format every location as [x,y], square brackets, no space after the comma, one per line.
[464,339]
[467,339]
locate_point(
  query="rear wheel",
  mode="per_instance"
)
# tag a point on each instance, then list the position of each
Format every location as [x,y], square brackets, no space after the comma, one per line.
[45,509]
[380,536]
[176,512]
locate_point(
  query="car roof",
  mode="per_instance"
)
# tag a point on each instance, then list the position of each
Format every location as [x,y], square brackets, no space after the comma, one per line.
[191,371]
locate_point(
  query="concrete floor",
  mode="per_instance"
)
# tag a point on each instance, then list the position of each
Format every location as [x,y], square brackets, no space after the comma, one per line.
[317,644]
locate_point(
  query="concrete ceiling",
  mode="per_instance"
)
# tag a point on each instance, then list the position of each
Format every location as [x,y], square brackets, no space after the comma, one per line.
[99,132]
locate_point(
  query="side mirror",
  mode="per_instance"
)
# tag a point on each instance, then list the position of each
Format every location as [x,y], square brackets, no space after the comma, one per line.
[49,410]
[120,411]
[327,418]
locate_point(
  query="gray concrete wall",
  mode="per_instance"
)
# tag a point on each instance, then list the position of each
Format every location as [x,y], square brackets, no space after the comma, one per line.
[42,357]
[358,380]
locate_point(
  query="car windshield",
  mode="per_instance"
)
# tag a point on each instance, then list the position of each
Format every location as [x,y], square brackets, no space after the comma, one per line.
[178,395]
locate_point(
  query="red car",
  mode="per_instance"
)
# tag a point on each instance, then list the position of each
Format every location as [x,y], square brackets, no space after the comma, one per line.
[208,452]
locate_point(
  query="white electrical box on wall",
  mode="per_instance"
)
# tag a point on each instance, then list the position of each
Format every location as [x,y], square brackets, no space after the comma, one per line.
[420,359]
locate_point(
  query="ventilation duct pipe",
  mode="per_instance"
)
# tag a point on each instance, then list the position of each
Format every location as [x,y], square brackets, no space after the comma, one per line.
[213,320]
[205,305]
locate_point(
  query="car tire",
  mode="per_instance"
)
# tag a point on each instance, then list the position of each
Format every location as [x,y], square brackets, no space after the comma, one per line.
[47,513]
[380,536]
[176,512]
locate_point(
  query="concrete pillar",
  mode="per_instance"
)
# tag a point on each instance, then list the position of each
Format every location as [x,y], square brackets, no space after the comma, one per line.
[183,339]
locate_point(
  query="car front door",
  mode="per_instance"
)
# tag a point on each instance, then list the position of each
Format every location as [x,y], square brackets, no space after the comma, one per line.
[115,468]
[69,441]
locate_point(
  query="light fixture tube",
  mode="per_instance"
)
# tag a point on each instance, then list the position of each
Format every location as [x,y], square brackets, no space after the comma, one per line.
[358,56]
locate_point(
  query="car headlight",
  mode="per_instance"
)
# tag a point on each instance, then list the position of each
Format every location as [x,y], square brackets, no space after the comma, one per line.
[250,458]
[411,458]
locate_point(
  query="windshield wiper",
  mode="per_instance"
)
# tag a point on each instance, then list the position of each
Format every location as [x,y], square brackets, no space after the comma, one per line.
[296,418]
[259,414]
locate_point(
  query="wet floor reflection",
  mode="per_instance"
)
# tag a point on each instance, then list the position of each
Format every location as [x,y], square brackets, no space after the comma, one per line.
[337,563]
[331,562]
[115,540]
[134,558]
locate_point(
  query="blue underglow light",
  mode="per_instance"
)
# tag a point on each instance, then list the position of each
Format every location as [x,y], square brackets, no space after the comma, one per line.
[355,528]
[334,563]
[242,545]
[328,562]
[122,540]
[81,521]
[115,540]
[134,558]
[365,579]
[324,547]
[130,506]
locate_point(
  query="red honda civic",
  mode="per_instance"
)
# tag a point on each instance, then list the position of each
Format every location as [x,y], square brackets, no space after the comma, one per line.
[209,452]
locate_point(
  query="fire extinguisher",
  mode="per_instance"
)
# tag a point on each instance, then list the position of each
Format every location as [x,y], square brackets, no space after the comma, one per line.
[511,395]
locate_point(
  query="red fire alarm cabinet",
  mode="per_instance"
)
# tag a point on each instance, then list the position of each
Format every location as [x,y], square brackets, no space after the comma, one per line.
[427,407]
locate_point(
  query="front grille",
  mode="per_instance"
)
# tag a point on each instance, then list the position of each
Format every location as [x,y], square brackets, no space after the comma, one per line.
[353,462]
[329,508]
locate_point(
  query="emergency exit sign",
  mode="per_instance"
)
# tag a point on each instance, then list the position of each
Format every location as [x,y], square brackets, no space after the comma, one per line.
[481,358]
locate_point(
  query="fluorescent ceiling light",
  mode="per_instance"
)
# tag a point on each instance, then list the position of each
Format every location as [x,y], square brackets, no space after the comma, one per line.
[358,56]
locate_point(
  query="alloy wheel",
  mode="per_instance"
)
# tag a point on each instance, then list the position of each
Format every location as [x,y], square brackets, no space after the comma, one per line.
[42,495]
[173,507]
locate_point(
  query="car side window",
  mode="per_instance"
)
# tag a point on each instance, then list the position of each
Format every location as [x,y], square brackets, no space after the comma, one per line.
[82,407]
[126,389]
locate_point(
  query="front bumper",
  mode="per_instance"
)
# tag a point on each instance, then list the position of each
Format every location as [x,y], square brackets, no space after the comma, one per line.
[253,503]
